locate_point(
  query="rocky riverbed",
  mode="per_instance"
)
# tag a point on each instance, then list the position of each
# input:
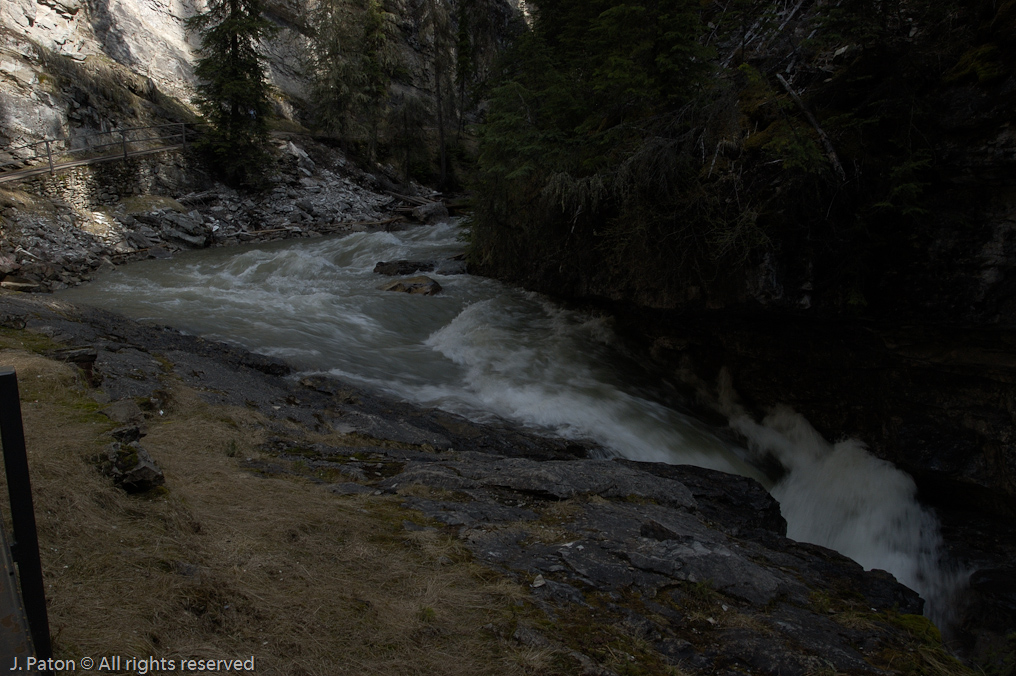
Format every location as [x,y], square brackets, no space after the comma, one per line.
[636,568]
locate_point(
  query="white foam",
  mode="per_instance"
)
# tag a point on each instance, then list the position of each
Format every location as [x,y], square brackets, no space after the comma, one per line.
[842,497]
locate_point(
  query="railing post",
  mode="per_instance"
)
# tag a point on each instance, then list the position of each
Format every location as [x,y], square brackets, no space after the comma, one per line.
[19,488]
[183,132]
[123,138]
[49,156]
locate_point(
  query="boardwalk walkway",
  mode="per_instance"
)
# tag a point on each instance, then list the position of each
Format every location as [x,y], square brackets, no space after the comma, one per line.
[52,155]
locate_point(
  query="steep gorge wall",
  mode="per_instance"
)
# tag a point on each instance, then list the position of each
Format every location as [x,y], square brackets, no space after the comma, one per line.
[122,48]
[130,62]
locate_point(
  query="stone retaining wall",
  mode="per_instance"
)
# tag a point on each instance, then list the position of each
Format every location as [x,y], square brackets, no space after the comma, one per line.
[173,172]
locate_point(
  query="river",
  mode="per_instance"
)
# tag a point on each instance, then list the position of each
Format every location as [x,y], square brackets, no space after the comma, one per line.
[486,350]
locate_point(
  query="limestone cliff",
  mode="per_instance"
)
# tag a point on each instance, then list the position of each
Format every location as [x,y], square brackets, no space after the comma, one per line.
[72,67]
[69,67]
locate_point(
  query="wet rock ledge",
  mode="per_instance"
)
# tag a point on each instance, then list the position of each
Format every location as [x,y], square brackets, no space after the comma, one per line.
[638,568]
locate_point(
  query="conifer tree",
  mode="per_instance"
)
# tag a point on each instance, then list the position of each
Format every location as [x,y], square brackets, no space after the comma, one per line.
[378,62]
[352,61]
[408,144]
[464,65]
[334,69]
[443,37]
[234,93]
[585,145]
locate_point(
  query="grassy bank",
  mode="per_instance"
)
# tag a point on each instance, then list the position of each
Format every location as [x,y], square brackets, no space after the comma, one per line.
[226,563]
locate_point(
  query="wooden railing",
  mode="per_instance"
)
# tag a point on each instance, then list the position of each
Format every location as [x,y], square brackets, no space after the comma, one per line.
[52,154]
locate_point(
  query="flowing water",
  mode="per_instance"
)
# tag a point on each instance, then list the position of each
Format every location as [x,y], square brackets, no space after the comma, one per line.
[485,350]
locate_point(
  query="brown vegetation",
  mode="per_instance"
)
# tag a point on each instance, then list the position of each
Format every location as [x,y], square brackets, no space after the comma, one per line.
[225,563]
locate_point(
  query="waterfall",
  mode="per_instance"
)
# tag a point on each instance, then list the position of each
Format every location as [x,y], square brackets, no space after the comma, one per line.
[484,350]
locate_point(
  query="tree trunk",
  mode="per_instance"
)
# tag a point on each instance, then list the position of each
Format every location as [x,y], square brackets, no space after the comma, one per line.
[440,122]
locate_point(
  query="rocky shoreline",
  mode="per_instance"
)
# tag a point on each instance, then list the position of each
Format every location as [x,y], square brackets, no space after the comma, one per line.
[49,243]
[691,565]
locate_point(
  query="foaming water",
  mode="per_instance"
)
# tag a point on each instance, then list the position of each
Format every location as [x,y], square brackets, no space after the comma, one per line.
[485,350]
[840,496]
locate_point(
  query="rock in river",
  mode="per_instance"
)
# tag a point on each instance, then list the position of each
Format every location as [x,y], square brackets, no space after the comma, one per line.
[393,268]
[432,213]
[422,285]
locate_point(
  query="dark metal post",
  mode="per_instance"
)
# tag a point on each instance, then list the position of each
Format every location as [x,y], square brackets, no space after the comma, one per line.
[19,487]
[183,132]
[123,138]
[49,156]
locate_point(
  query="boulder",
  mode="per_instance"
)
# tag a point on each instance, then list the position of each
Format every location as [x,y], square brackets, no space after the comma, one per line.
[65,8]
[139,241]
[432,213]
[179,237]
[8,264]
[188,223]
[303,160]
[452,266]
[130,466]
[421,285]
[127,434]
[393,268]
[124,411]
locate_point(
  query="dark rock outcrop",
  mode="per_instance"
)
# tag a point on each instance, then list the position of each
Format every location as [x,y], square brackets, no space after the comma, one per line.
[398,268]
[936,402]
[435,212]
[628,532]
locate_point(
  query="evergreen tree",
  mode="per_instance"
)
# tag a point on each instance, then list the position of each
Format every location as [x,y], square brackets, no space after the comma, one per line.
[334,68]
[234,94]
[378,62]
[410,115]
[464,64]
[586,144]
[353,59]
[442,35]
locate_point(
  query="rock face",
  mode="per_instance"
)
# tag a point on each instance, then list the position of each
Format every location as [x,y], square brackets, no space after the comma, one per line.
[124,57]
[148,38]
[394,268]
[634,529]
[935,402]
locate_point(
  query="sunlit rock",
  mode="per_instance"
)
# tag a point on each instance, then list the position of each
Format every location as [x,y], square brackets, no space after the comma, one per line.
[422,285]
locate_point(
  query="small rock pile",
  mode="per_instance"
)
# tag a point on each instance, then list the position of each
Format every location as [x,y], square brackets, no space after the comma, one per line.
[128,464]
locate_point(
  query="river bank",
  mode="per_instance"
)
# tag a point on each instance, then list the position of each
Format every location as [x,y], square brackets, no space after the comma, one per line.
[610,566]
[286,213]
[58,232]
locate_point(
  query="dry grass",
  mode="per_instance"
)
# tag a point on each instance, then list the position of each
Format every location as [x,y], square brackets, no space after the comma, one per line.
[228,564]
[25,202]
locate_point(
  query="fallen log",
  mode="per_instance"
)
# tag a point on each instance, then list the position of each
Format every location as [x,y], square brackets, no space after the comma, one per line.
[826,143]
